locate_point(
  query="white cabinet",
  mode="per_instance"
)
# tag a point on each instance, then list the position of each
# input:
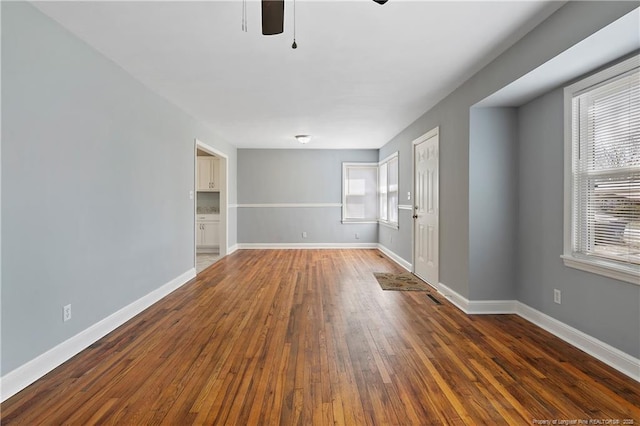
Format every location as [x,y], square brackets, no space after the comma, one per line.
[207,232]
[208,173]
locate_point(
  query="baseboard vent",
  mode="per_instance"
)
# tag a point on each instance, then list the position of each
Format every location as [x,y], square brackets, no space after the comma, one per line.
[436,301]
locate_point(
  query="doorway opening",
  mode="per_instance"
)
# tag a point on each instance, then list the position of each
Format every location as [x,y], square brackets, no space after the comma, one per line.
[211,205]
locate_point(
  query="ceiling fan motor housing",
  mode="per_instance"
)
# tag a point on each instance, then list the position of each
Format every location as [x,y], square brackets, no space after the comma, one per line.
[272,17]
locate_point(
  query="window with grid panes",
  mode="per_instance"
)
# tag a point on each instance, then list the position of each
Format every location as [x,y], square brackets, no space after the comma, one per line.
[604,137]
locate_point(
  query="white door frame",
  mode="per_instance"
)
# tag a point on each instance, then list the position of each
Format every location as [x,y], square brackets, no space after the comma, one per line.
[431,133]
[224,195]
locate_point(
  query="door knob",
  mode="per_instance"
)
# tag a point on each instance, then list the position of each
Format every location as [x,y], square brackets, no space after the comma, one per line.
[415,216]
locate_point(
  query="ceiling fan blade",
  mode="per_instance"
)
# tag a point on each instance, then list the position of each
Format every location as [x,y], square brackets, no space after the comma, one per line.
[381,1]
[272,17]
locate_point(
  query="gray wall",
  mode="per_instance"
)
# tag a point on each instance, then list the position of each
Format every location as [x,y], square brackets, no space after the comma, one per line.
[493,201]
[601,307]
[96,170]
[96,173]
[400,240]
[297,176]
[568,26]
[451,115]
[606,309]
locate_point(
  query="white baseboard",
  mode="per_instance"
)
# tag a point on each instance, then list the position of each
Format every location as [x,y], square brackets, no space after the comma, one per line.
[600,350]
[232,249]
[18,379]
[400,261]
[606,353]
[454,297]
[268,246]
[486,307]
[23,376]
[473,307]
[294,246]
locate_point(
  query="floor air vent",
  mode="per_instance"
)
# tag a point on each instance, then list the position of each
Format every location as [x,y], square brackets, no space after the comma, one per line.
[436,301]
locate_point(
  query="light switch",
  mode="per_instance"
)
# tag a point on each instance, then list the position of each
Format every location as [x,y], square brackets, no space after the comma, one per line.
[409,196]
[191,195]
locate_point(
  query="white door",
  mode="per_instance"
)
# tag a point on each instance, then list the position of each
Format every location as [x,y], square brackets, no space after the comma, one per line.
[426,209]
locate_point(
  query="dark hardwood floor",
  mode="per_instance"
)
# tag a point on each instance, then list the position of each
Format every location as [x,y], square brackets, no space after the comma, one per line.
[301,337]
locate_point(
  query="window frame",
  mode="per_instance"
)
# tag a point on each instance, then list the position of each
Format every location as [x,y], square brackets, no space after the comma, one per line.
[610,268]
[345,168]
[388,190]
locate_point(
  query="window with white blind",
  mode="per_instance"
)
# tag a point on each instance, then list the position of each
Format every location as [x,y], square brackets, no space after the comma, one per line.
[388,190]
[370,192]
[602,172]
[360,192]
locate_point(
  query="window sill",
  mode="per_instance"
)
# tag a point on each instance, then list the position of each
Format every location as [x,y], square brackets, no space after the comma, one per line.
[352,221]
[630,274]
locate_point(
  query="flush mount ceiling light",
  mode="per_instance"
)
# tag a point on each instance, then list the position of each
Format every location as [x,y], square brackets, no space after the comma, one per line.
[303,138]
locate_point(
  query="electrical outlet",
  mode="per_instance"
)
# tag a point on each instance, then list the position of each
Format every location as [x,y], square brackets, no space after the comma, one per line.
[304,235]
[557,296]
[66,313]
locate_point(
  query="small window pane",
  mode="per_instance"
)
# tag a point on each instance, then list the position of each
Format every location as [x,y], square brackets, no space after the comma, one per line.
[393,190]
[383,191]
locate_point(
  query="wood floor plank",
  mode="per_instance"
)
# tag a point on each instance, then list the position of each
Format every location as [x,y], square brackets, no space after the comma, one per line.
[308,337]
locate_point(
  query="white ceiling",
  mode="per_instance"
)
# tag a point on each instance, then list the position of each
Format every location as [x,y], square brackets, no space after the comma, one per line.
[361,73]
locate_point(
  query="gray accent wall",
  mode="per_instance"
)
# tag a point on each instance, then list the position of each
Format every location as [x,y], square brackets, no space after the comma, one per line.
[285,225]
[475,152]
[96,170]
[400,241]
[569,25]
[493,201]
[599,306]
[96,174]
[297,176]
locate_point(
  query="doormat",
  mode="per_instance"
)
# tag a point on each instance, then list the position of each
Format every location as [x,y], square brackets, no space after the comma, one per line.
[405,281]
